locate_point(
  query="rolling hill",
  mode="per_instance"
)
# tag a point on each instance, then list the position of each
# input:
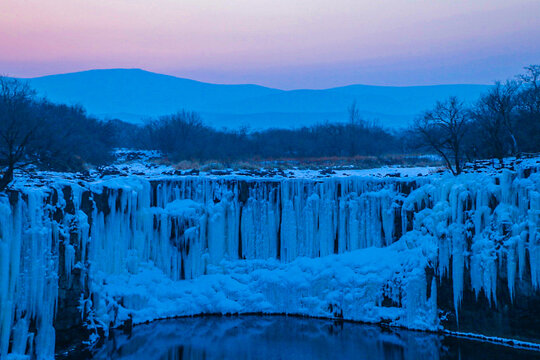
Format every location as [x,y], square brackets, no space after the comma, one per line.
[134,95]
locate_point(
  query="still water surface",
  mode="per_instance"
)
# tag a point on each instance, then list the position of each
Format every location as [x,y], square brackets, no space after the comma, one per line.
[281,337]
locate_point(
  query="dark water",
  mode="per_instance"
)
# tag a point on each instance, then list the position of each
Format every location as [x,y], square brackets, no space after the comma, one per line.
[280,337]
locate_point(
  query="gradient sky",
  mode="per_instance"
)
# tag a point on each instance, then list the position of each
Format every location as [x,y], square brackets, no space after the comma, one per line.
[279,43]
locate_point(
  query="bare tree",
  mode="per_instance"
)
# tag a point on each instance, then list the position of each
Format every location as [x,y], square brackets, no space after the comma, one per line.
[354,128]
[531,92]
[502,100]
[443,129]
[354,113]
[495,113]
[182,134]
[17,126]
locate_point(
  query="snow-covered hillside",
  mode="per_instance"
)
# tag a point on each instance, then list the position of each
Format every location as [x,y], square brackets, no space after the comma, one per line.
[360,245]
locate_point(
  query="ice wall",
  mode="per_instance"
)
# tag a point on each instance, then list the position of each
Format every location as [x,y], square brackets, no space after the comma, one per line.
[28,275]
[170,233]
[182,225]
[486,225]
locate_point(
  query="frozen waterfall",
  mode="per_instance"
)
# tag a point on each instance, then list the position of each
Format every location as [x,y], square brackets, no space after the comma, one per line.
[361,248]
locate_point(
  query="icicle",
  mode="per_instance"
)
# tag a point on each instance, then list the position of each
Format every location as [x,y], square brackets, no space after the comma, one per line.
[511,269]
[69,260]
[458,264]
[10,247]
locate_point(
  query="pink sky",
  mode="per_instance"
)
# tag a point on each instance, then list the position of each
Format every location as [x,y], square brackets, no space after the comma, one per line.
[281,43]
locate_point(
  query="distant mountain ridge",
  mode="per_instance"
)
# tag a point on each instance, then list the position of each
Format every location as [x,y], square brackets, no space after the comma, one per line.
[134,95]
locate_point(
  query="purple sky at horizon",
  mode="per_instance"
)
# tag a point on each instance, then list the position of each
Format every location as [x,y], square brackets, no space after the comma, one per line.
[279,43]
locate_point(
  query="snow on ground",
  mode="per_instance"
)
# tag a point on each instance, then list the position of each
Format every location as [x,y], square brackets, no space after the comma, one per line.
[496,340]
[148,164]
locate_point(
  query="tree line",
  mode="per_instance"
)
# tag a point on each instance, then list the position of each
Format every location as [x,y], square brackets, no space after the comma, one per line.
[184,136]
[505,121]
[50,136]
[33,131]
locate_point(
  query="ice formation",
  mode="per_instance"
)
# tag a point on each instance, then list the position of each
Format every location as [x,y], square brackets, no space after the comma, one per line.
[361,248]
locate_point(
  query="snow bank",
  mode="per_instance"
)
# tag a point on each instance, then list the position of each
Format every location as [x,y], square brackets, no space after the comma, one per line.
[371,285]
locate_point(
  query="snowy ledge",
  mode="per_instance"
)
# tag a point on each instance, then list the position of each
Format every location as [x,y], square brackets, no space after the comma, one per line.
[148,165]
[495,340]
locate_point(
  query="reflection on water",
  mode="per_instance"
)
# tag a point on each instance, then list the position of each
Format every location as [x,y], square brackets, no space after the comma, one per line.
[280,337]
